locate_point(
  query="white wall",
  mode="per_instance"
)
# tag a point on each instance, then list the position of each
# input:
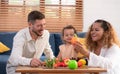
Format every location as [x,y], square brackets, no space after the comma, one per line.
[108,10]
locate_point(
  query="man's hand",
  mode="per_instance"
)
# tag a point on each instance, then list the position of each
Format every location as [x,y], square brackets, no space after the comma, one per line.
[35,62]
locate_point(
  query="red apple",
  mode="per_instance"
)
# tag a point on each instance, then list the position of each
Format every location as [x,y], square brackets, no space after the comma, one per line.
[66,61]
[79,64]
[61,64]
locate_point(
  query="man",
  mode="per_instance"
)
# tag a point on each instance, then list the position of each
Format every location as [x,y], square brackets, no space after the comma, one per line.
[30,43]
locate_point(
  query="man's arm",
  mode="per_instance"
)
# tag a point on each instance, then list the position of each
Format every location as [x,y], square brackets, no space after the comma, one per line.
[48,51]
[17,51]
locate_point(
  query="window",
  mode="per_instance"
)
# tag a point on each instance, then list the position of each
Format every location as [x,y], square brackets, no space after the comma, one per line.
[13,13]
[24,2]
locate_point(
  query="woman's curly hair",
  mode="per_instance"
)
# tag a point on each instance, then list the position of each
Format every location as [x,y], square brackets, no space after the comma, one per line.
[109,36]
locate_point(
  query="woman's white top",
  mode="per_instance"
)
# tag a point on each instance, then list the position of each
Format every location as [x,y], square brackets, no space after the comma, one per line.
[109,58]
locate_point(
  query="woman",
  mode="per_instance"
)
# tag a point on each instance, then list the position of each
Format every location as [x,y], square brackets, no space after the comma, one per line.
[104,46]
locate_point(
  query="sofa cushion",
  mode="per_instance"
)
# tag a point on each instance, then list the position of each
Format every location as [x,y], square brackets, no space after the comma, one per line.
[81,34]
[7,39]
[3,48]
[3,62]
[52,42]
[58,41]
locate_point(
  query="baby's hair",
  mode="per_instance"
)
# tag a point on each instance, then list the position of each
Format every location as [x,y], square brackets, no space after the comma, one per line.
[68,27]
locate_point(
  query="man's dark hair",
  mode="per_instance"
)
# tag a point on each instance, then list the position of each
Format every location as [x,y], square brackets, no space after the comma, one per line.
[34,15]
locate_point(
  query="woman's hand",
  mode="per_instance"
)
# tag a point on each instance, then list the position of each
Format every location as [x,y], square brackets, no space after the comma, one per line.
[80,48]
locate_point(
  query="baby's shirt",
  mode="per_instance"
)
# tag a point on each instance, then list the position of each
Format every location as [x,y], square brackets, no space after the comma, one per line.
[67,51]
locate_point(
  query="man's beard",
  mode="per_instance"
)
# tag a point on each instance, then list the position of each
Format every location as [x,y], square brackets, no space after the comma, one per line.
[35,33]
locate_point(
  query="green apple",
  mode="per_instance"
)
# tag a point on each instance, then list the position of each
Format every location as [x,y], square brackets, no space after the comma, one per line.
[72,64]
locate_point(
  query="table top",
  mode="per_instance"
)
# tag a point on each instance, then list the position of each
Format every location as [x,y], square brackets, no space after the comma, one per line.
[86,69]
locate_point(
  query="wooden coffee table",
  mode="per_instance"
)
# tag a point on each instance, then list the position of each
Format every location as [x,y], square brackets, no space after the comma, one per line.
[60,70]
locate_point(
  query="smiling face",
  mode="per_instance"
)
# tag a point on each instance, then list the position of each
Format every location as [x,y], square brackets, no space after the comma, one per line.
[68,34]
[96,32]
[37,27]
[101,33]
